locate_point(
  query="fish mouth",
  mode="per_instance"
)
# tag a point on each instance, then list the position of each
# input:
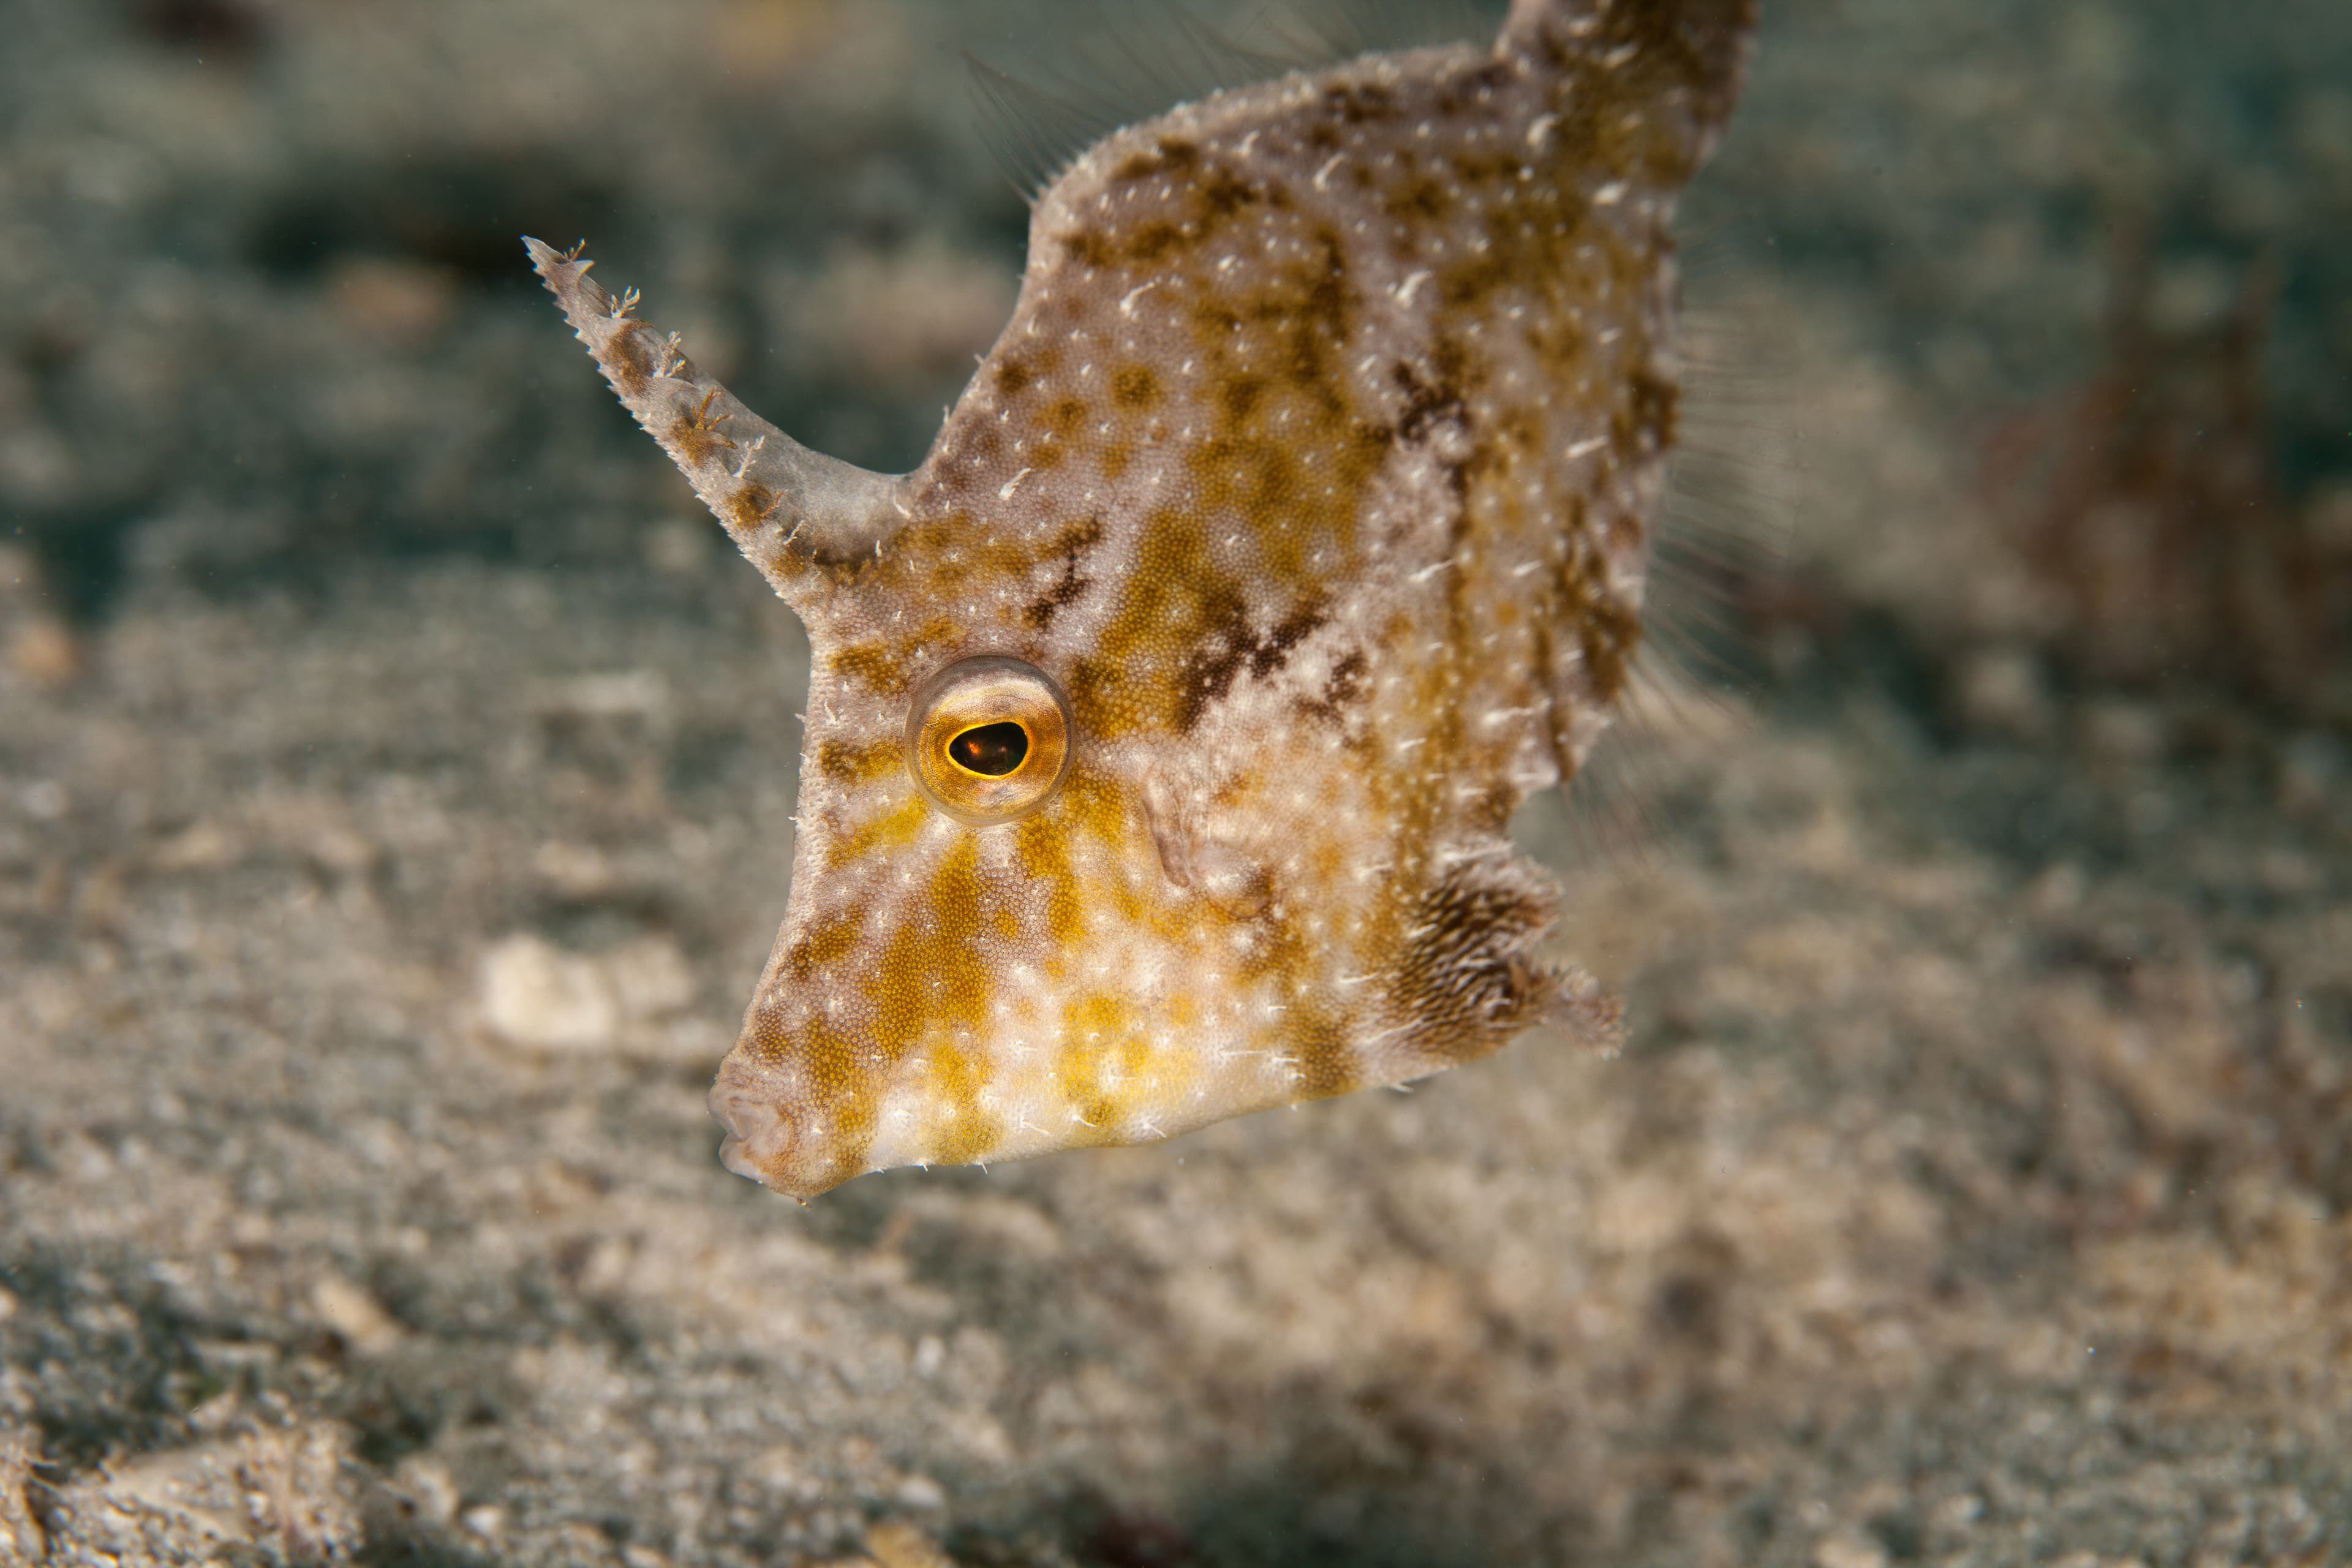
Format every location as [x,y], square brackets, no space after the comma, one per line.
[760,1135]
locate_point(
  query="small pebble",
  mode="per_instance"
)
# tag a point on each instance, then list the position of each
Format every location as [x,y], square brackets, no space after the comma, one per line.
[1848,1552]
[532,993]
[895,1543]
[355,1315]
[428,1487]
[199,846]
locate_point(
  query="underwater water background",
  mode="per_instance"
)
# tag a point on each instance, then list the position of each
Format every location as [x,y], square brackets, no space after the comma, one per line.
[397,772]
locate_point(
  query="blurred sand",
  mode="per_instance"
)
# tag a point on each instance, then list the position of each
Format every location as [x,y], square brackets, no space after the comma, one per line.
[395,782]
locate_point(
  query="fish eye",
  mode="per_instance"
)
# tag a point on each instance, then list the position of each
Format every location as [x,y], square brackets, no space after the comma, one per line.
[992,751]
[988,738]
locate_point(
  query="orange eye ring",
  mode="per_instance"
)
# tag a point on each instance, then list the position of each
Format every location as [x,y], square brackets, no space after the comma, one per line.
[988,738]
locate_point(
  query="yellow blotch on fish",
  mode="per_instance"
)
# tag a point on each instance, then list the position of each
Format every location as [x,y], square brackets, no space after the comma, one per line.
[1165,723]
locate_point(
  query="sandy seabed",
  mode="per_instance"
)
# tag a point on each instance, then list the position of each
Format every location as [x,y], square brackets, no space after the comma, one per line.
[396,773]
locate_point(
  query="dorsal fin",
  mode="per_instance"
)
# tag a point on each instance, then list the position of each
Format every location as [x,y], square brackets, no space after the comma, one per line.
[795,513]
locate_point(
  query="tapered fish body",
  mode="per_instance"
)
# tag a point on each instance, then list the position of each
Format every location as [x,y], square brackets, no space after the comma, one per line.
[1298,528]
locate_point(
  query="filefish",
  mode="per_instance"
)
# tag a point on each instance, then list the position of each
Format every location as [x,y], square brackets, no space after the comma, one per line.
[1165,725]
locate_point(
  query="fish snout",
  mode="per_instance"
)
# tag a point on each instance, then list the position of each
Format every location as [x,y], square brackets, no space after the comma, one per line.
[763,1141]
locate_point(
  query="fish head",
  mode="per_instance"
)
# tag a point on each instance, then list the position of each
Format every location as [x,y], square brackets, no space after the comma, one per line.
[1087,847]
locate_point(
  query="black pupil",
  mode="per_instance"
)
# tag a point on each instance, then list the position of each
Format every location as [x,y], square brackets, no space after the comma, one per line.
[994,750]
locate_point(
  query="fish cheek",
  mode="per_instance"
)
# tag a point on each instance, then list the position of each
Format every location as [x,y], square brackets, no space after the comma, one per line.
[930,995]
[1041,852]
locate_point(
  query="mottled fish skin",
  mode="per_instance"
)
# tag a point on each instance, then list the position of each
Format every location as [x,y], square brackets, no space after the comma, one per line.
[1318,469]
